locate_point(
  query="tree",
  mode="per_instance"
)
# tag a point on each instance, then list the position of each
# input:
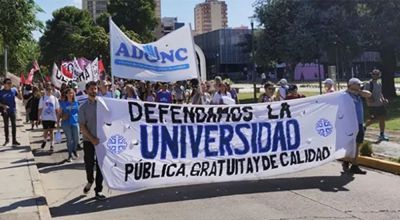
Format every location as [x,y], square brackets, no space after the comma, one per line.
[137,16]
[301,31]
[72,33]
[17,21]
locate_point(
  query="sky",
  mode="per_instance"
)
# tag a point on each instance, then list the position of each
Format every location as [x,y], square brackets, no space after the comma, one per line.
[239,11]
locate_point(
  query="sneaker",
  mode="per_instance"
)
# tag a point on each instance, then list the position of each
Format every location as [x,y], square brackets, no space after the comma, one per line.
[15,143]
[87,188]
[356,170]
[51,149]
[43,144]
[5,143]
[383,138]
[100,196]
[345,166]
[69,159]
[76,155]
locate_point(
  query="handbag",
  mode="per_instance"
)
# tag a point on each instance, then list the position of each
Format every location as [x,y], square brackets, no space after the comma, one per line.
[58,137]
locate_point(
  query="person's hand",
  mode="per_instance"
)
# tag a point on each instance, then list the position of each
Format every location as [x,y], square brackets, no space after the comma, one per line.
[385,101]
[95,141]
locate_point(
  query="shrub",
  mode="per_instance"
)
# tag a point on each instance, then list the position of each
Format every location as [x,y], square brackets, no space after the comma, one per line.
[366,149]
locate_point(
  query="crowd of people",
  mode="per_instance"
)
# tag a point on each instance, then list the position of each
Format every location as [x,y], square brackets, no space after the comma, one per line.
[74,110]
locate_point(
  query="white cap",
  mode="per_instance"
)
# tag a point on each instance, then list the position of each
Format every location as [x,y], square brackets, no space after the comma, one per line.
[354,81]
[328,81]
[283,81]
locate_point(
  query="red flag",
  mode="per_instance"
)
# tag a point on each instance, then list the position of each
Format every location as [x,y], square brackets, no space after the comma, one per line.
[30,76]
[101,66]
[22,79]
[67,69]
[35,66]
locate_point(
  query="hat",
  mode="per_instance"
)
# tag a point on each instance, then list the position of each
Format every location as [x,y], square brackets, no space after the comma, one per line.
[354,81]
[328,81]
[283,81]
[218,78]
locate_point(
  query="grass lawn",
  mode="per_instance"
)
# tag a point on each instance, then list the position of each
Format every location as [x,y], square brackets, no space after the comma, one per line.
[397,80]
[392,123]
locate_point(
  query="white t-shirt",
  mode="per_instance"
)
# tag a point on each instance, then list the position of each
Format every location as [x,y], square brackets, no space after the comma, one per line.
[49,105]
[218,98]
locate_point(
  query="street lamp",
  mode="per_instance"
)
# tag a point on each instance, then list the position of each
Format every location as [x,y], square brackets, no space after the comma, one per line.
[253,59]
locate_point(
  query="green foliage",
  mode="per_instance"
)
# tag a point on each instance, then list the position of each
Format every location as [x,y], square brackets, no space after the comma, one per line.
[137,16]
[301,31]
[17,21]
[366,149]
[72,33]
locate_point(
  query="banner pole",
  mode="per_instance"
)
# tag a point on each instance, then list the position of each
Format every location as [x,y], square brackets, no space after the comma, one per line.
[197,64]
[111,49]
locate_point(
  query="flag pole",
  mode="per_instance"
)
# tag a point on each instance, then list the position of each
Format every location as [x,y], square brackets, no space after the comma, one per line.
[111,50]
[195,58]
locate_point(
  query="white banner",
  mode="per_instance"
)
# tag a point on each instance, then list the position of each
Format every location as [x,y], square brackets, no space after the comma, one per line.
[171,58]
[148,145]
[91,72]
[58,78]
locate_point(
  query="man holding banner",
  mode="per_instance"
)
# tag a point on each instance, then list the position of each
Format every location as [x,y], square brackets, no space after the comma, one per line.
[88,123]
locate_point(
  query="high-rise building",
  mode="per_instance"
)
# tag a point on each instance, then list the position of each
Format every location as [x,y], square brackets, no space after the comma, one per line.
[169,24]
[95,7]
[210,15]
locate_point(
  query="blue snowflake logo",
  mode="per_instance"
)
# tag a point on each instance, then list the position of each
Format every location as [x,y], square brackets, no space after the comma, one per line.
[116,144]
[324,128]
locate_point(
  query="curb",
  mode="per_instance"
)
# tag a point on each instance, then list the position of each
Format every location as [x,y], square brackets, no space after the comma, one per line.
[379,164]
[38,189]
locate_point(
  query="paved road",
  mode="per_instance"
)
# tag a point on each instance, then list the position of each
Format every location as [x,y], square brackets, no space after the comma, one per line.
[322,193]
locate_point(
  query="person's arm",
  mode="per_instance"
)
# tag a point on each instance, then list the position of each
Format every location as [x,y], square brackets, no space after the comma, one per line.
[84,130]
[40,108]
[18,93]
[364,93]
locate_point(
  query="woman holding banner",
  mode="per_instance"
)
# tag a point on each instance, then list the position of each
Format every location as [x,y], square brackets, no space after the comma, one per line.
[69,123]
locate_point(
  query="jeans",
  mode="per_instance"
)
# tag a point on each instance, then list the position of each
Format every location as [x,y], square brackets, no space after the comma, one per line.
[89,158]
[72,134]
[11,116]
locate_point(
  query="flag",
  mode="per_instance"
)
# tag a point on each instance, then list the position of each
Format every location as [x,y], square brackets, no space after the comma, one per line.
[101,66]
[77,69]
[30,76]
[171,58]
[57,77]
[83,62]
[67,68]
[35,65]
[22,79]
[91,73]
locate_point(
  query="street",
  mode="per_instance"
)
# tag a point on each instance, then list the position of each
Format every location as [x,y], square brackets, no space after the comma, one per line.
[314,194]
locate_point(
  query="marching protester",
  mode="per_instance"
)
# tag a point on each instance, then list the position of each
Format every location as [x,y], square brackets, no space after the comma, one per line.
[8,110]
[104,89]
[149,95]
[164,96]
[178,93]
[376,104]
[356,93]
[88,126]
[200,95]
[48,112]
[221,97]
[130,92]
[233,92]
[329,85]
[282,90]
[268,95]
[33,104]
[27,95]
[69,123]
[293,94]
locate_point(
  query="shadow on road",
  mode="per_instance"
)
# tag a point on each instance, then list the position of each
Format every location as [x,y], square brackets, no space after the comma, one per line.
[22,149]
[24,203]
[194,192]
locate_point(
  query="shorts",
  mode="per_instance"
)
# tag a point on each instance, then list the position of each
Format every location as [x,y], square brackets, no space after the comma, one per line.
[360,134]
[49,124]
[378,111]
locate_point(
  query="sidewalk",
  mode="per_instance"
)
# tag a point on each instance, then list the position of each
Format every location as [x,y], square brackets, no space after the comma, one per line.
[385,149]
[21,192]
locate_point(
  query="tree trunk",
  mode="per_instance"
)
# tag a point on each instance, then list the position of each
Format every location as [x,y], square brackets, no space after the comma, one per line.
[388,56]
